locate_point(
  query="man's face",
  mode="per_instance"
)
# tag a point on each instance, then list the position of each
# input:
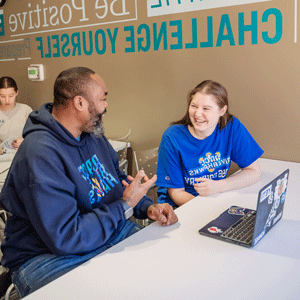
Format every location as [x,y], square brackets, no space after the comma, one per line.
[96,107]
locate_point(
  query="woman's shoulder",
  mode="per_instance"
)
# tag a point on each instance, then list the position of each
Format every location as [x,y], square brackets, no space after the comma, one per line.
[234,127]
[234,122]
[23,107]
[176,129]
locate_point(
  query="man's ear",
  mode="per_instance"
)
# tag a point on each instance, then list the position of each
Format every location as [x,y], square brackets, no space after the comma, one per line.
[79,103]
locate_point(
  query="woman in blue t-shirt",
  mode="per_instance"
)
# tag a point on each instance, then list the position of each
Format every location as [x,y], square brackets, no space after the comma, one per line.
[196,152]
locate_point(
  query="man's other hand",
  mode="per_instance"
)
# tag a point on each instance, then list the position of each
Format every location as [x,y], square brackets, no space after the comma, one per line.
[163,213]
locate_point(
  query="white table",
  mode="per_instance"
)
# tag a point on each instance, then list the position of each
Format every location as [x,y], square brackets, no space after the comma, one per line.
[176,262]
[4,166]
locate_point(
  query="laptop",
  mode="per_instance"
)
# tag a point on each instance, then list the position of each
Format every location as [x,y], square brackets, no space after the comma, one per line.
[246,227]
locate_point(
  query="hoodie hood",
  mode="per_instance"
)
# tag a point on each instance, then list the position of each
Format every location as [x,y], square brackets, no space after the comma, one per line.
[42,120]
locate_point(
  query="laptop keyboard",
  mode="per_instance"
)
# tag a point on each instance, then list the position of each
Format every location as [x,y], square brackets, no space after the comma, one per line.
[242,230]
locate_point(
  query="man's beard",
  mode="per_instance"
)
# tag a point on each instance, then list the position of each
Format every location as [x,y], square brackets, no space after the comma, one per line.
[98,128]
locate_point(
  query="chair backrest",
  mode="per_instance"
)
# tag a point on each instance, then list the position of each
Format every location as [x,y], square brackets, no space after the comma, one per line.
[123,165]
[123,154]
[146,160]
[124,138]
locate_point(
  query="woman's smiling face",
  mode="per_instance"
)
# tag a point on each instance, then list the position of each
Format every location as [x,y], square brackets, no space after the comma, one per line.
[204,114]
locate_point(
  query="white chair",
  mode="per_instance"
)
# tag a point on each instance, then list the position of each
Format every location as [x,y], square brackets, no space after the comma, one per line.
[147,160]
[11,293]
[125,138]
[123,154]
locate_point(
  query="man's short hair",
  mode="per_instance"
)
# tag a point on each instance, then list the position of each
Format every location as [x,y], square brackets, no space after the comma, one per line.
[70,83]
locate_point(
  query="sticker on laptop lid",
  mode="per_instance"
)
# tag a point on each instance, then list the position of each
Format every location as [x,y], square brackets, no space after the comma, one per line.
[267,192]
[259,237]
[277,218]
[214,229]
[281,186]
[236,210]
[279,197]
[270,198]
[283,198]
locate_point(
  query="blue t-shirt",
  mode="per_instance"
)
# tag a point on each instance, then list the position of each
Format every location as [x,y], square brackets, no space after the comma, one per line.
[182,158]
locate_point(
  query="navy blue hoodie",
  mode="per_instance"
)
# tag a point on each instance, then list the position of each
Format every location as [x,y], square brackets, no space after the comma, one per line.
[64,194]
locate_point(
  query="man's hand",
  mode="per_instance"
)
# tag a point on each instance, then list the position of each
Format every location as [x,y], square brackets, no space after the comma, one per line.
[163,213]
[138,187]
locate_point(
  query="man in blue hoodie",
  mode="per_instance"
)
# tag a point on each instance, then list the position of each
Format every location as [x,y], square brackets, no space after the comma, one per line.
[67,197]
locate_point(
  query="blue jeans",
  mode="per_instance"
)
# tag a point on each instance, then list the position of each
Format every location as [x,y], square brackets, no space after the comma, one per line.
[43,269]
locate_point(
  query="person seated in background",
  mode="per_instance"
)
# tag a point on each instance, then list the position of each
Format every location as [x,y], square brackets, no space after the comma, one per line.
[13,115]
[195,153]
[67,198]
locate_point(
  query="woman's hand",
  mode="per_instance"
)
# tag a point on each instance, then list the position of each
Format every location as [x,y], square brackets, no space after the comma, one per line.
[16,143]
[207,187]
[244,177]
